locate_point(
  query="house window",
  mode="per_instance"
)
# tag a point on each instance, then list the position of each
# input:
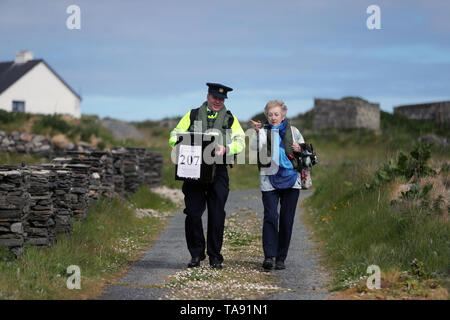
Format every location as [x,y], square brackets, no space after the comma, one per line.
[18,106]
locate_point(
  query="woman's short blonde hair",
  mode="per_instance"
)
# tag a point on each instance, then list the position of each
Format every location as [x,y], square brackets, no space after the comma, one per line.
[275,103]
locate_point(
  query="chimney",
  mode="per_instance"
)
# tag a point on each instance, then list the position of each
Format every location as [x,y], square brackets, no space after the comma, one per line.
[23,56]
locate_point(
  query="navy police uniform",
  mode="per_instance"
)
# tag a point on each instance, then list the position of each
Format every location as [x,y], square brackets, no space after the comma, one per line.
[199,196]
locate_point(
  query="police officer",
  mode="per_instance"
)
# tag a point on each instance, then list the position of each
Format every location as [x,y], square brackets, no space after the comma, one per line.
[198,195]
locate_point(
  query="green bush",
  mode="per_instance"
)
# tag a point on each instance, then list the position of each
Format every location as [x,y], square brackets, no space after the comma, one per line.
[405,167]
[8,117]
[397,124]
[10,121]
[87,127]
[51,124]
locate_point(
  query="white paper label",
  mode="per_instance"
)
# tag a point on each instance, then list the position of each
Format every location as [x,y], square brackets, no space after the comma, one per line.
[189,161]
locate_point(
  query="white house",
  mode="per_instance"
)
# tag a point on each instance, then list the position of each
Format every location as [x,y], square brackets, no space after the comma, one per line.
[32,86]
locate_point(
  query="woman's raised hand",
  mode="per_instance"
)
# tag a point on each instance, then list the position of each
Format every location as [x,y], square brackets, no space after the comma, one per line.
[256,125]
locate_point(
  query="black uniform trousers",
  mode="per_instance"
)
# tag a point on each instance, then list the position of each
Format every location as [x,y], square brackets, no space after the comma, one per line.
[277,227]
[198,196]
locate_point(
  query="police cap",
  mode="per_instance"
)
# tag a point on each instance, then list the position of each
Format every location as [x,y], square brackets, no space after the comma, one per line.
[218,90]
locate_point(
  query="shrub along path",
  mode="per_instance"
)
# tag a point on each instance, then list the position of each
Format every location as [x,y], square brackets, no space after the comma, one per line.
[162,272]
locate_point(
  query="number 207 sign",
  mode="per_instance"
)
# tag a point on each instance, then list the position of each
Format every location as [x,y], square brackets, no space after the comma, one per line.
[189,161]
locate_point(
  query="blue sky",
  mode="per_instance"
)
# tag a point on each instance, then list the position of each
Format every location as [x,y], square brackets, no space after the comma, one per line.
[136,60]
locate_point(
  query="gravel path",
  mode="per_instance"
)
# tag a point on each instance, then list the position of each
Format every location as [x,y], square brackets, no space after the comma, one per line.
[302,275]
[169,254]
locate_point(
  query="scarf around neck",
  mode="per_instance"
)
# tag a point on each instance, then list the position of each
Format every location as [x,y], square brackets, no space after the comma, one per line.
[286,176]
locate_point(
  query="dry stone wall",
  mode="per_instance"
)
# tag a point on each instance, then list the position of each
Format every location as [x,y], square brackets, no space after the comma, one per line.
[61,184]
[39,226]
[14,207]
[22,142]
[39,201]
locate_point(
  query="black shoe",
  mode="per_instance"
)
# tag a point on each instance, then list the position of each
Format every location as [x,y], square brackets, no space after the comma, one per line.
[279,265]
[268,263]
[195,262]
[215,263]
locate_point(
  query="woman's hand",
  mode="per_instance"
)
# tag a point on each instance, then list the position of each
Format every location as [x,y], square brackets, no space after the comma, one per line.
[256,125]
[296,147]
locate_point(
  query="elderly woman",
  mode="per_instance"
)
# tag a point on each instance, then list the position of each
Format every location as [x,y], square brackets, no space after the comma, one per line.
[280,182]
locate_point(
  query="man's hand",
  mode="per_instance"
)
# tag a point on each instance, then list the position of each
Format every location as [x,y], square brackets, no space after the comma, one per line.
[220,150]
[296,147]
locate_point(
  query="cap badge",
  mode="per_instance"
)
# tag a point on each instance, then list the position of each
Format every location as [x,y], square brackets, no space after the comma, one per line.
[221,90]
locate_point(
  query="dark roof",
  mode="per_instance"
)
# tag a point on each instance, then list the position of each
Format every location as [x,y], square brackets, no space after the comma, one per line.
[10,72]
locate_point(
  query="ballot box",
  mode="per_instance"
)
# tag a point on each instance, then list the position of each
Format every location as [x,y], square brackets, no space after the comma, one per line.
[191,150]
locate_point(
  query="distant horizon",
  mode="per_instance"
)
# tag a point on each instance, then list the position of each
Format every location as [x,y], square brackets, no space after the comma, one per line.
[296,115]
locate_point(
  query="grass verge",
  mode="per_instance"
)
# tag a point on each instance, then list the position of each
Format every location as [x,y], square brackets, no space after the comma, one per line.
[359,227]
[103,246]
